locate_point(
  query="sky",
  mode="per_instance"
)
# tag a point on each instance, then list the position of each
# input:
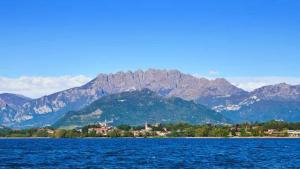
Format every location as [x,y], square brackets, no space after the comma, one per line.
[46,46]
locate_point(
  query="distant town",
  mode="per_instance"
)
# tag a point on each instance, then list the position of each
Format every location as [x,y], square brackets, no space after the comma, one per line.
[104,129]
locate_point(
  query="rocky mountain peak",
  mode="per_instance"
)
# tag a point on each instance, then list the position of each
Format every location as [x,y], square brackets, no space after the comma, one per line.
[282,85]
[166,82]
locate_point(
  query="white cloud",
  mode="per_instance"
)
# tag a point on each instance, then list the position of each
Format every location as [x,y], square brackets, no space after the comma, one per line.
[251,83]
[39,86]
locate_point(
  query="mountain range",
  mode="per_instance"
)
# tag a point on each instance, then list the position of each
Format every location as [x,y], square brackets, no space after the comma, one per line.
[280,101]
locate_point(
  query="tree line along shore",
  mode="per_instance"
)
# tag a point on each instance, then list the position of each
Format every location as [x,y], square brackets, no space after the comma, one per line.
[244,130]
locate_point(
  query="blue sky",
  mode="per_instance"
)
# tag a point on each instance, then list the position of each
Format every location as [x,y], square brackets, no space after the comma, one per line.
[233,38]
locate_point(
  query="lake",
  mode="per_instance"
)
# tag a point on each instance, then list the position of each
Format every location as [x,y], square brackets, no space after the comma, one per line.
[150,153]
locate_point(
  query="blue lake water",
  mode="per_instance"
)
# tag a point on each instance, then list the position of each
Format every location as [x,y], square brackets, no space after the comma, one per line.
[150,153]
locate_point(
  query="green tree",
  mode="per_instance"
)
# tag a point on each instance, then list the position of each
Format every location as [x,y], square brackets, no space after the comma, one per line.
[42,133]
[60,133]
[128,134]
[114,133]
[124,127]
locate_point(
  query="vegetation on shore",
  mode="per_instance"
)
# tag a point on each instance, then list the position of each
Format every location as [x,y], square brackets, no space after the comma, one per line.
[268,129]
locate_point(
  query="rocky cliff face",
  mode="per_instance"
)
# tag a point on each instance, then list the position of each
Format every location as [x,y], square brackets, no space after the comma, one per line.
[46,110]
[167,83]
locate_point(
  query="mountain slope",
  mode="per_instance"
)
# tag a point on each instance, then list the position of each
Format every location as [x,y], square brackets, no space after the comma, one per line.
[46,110]
[138,107]
[282,91]
[281,101]
[12,100]
[266,110]
[9,104]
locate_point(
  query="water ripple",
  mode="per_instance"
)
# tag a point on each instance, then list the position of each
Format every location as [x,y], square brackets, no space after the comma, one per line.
[150,153]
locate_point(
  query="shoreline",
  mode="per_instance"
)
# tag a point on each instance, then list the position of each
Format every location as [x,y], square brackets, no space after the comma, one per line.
[3,138]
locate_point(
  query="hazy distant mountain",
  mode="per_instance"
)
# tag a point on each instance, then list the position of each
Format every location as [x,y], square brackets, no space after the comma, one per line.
[281,102]
[138,107]
[266,110]
[46,110]
[278,92]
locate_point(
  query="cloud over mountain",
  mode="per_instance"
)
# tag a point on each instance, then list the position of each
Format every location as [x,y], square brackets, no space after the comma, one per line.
[35,87]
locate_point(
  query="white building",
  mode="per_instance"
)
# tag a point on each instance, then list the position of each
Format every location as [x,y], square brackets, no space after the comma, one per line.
[294,133]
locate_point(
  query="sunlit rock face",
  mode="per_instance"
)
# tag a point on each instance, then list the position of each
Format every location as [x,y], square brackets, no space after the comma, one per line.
[167,83]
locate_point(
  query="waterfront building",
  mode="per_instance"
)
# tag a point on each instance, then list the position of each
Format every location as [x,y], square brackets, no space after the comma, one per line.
[293,133]
[101,128]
